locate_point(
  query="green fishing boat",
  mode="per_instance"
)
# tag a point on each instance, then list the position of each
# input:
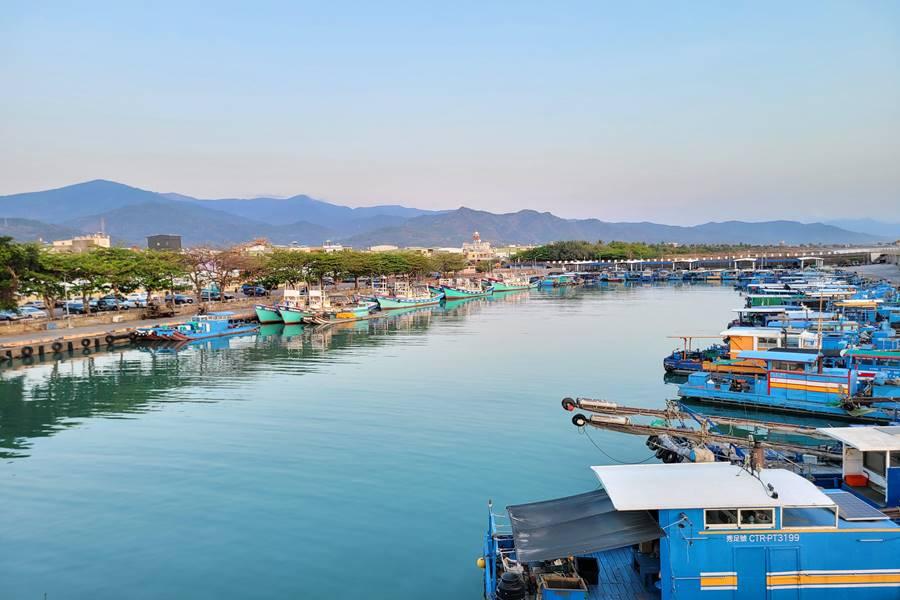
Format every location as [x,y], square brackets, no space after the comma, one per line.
[268,314]
[293,315]
[511,284]
[461,293]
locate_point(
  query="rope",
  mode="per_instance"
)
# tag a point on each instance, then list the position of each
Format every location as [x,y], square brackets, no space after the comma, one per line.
[584,431]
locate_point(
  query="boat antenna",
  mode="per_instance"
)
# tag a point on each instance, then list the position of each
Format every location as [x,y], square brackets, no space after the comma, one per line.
[757,461]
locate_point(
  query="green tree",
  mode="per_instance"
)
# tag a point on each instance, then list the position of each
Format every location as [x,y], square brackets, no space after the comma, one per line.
[17,261]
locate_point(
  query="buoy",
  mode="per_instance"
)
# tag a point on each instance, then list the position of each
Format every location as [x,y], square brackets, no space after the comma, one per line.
[26,351]
[568,404]
[56,346]
[85,343]
[480,562]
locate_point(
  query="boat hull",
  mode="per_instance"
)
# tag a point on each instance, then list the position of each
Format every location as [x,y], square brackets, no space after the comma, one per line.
[505,287]
[399,303]
[291,315]
[268,314]
[452,293]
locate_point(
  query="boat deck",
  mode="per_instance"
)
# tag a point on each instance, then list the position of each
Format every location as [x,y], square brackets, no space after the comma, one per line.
[618,579]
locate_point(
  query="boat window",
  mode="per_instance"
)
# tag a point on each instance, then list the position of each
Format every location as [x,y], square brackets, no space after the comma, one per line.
[874,461]
[818,516]
[753,518]
[780,365]
[764,343]
[720,518]
[895,460]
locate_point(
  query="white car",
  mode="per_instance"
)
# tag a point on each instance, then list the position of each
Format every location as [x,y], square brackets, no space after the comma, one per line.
[32,312]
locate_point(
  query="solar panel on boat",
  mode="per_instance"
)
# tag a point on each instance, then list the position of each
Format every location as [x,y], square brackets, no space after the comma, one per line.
[854,509]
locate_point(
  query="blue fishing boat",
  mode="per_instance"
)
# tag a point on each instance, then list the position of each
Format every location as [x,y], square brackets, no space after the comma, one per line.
[797,382]
[686,360]
[200,327]
[693,531]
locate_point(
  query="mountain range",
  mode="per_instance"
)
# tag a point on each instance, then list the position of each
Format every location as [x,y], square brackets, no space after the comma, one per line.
[130,214]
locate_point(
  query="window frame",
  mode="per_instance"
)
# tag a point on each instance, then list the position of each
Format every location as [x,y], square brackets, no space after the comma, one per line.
[771,525]
[707,525]
[833,509]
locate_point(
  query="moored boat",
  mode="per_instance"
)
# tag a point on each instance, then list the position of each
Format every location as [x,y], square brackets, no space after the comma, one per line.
[686,531]
[465,289]
[268,314]
[200,327]
[797,382]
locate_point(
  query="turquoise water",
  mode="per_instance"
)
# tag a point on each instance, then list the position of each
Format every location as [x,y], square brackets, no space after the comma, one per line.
[355,463]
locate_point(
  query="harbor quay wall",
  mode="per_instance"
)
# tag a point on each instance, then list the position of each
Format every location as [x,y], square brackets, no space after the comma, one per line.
[95,333]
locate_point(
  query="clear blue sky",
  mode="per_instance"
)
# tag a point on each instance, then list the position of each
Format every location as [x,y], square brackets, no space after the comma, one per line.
[680,112]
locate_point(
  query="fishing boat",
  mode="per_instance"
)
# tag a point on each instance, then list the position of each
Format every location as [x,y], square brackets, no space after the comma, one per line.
[797,382]
[340,310]
[693,531]
[870,468]
[510,284]
[686,360]
[406,296]
[268,314]
[294,307]
[200,327]
[464,289]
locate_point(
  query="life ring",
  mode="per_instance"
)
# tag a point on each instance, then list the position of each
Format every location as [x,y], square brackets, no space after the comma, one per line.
[109,340]
[57,346]
[579,420]
[568,404]
[85,343]
[26,351]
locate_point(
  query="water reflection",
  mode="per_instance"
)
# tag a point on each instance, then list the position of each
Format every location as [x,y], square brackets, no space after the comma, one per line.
[42,399]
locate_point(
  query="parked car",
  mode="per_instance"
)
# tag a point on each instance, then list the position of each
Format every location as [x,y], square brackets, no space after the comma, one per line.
[11,315]
[179,299]
[77,307]
[39,304]
[32,312]
[253,290]
[123,302]
[138,300]
[107,304]
[214,296]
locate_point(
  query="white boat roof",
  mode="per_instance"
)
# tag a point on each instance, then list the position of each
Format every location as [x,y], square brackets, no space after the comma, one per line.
[761,309]
[704,485]
[752,331]
[866,439]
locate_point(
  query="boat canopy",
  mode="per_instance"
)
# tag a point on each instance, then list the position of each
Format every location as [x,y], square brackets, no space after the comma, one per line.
[866,439]
[705,485]
[796,357]
[750,332]
[577,525]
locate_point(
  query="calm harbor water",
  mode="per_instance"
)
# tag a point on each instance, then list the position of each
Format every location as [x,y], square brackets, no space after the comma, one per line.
[355,463]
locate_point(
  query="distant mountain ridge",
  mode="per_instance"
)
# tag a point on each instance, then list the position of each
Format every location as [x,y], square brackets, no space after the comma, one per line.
[131,214]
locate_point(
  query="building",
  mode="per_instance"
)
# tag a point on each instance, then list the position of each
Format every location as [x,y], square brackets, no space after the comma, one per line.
[330,246]
[477,250]
[82,242]
[384,248]
[168,242]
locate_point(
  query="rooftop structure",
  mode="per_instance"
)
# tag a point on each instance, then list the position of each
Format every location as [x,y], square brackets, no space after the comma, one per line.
[82,242]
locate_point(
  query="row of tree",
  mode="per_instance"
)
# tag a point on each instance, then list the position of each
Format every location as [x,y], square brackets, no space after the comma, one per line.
[582,250]
[32,270]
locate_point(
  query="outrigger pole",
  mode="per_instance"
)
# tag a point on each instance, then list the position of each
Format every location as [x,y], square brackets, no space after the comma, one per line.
[613,417]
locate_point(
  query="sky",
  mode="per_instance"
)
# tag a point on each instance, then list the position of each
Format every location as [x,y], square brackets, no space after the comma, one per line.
[676,112]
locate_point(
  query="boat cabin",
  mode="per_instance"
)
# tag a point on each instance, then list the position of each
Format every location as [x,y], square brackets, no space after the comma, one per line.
[871,462]
[695,530]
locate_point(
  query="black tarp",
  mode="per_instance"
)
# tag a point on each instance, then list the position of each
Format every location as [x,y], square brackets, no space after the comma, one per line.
[577,525]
